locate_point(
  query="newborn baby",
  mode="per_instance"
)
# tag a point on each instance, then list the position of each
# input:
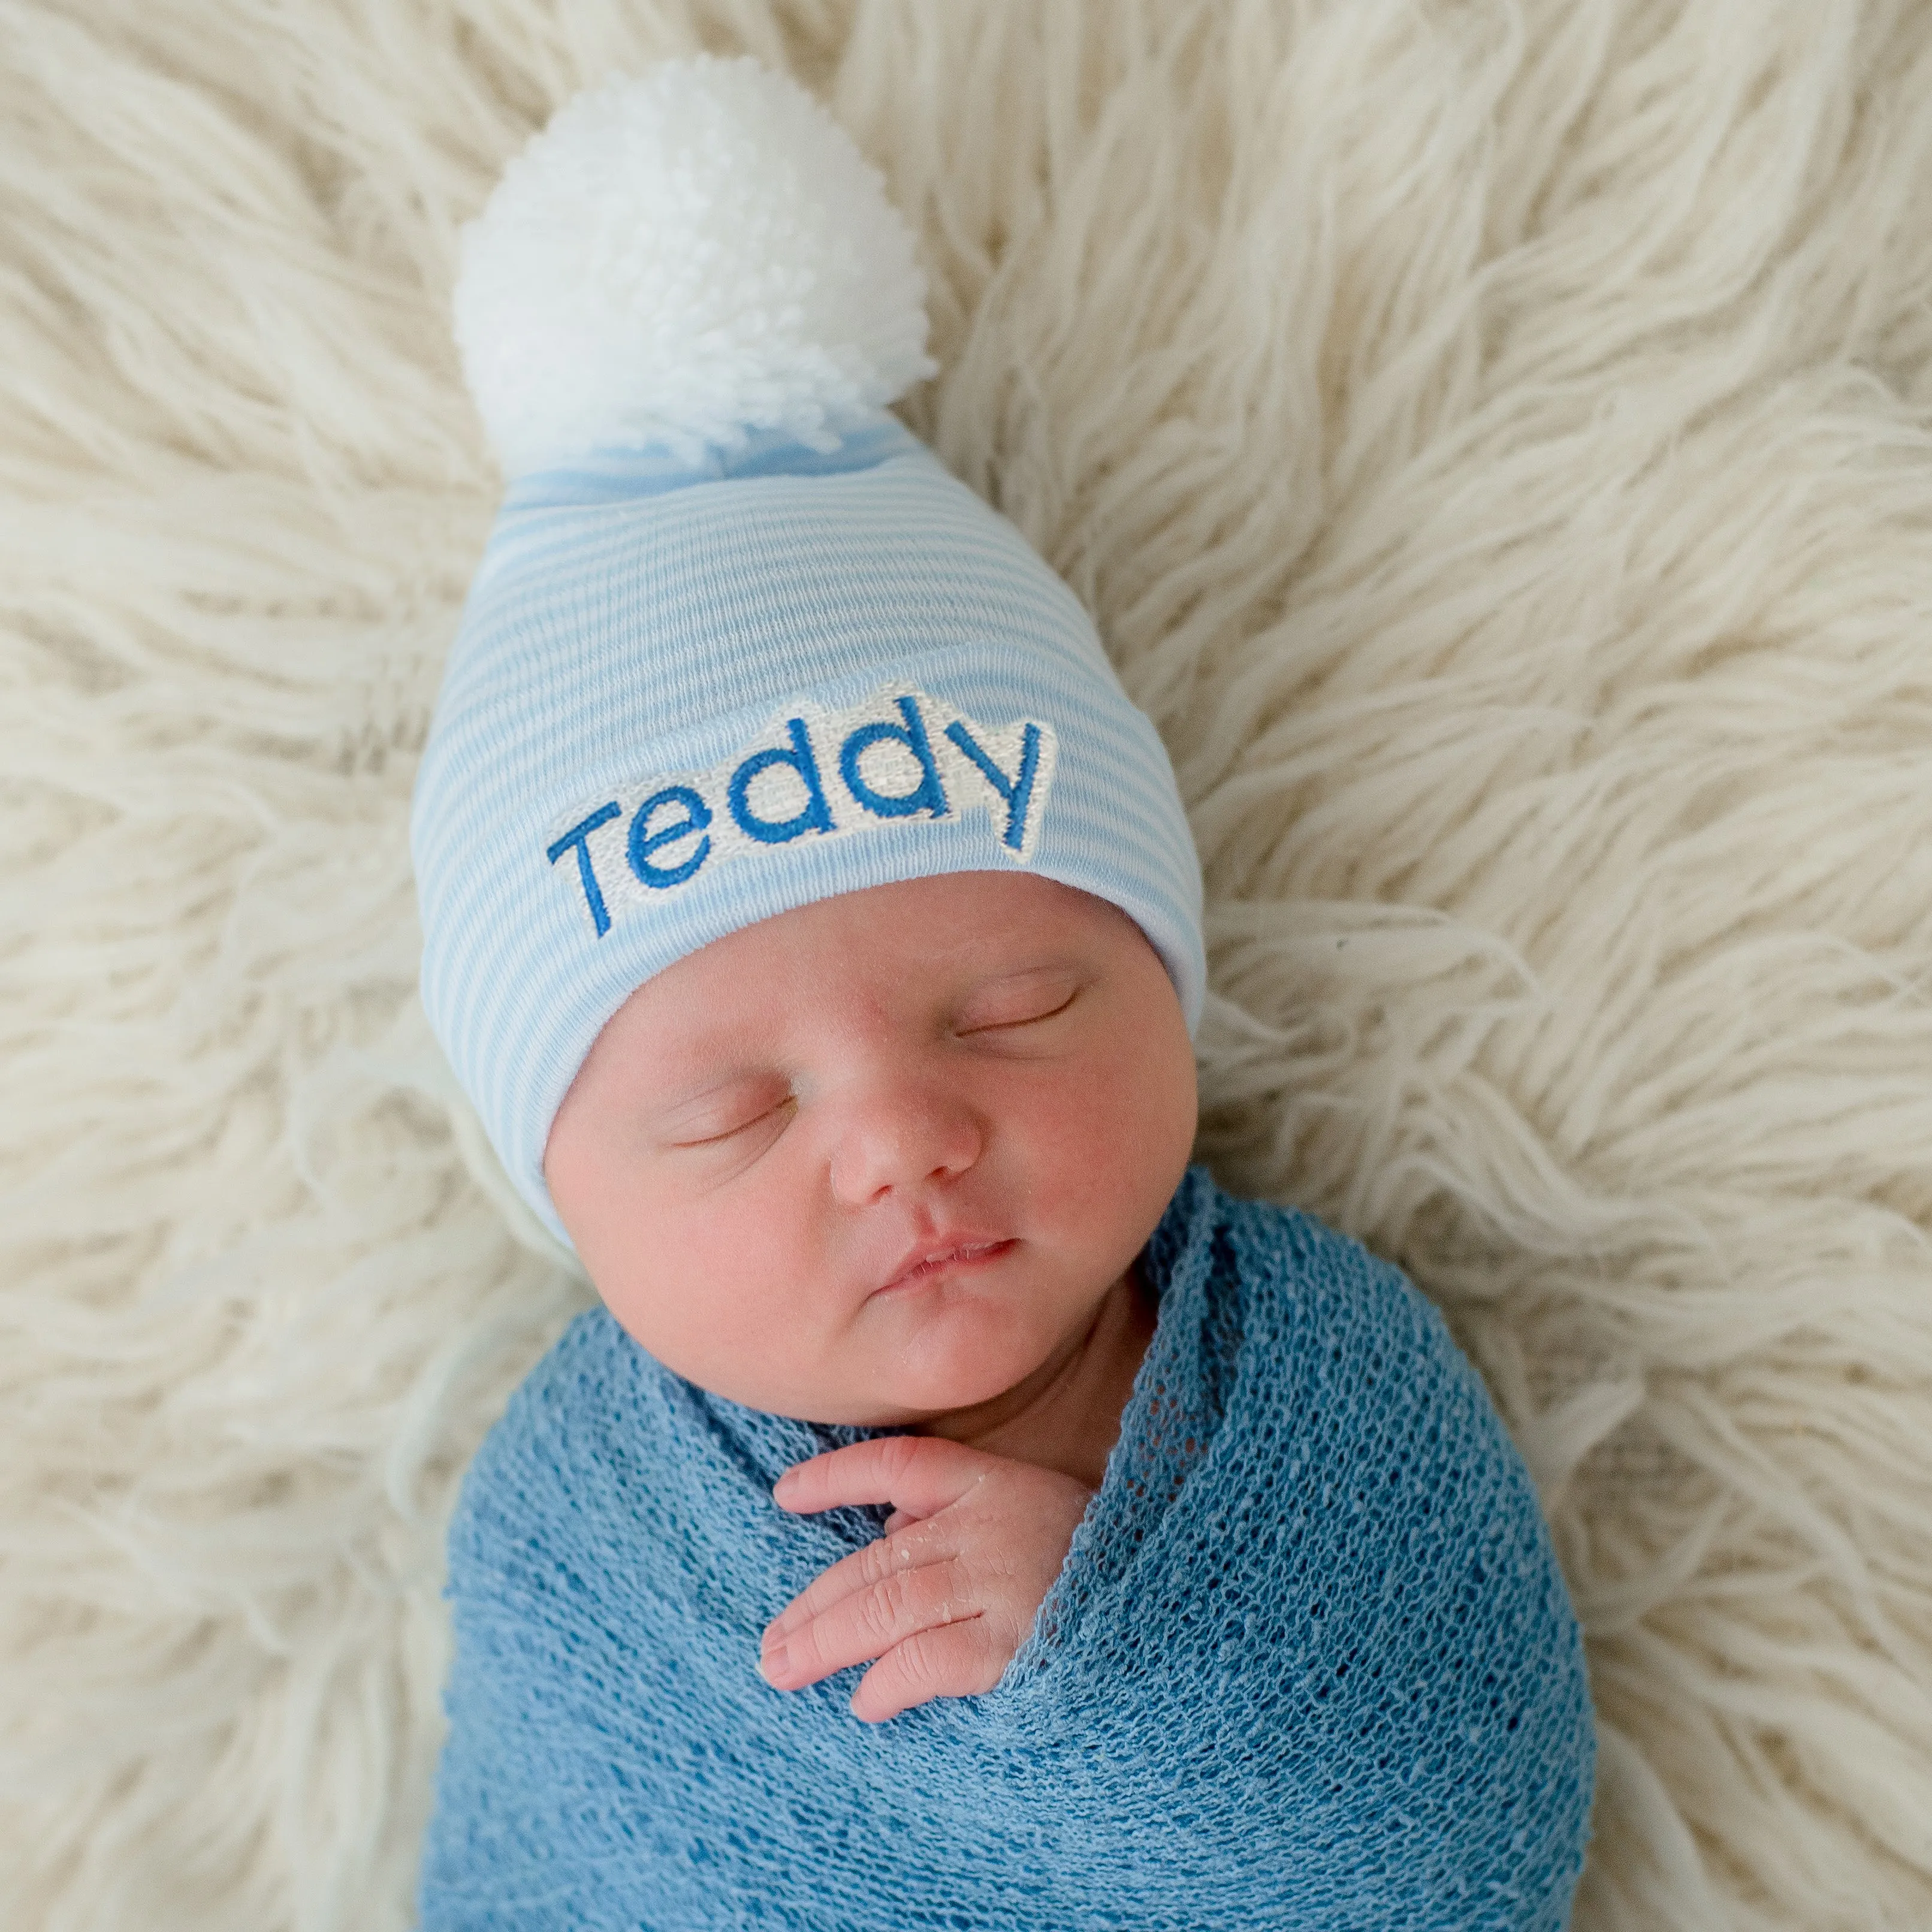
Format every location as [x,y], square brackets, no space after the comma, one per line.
[815,924]
[910,1140]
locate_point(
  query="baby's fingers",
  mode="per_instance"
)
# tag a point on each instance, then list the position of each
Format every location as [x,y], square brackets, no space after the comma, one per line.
[874,1563]
[863,1623]
[955,1660]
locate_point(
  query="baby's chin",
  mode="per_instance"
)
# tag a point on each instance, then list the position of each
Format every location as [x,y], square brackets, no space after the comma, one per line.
[956,1383]
[908,1399]
[907,1386]
[920,1386]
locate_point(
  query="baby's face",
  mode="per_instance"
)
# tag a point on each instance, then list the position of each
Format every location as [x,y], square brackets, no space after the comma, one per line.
[874,1161]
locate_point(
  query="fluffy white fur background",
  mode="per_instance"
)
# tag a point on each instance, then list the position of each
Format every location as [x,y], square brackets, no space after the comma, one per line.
[1496,436]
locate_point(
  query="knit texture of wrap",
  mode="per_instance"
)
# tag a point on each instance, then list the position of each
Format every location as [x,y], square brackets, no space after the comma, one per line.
[1309,1662]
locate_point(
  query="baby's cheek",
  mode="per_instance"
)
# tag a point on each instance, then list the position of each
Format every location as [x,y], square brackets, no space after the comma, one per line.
[1113,1139]
[1091,1152]
[720,1295]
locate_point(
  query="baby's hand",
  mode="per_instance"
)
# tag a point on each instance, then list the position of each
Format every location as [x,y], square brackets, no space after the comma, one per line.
[948,1595]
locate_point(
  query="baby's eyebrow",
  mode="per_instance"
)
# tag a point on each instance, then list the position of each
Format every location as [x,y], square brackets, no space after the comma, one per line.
[717,1072]
[1054,974]
[1056,967]
[1051,962]
[685,1099]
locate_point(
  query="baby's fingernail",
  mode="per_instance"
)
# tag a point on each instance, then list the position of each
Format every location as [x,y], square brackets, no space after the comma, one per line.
[771,1663]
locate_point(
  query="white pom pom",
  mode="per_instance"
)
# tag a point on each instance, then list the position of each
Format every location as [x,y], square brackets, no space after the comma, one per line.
[680,257]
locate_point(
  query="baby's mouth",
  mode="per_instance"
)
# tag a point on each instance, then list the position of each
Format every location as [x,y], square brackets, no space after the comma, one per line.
[925,1263]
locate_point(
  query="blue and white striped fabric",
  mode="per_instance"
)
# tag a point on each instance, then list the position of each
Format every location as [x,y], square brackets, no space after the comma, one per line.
[685,698]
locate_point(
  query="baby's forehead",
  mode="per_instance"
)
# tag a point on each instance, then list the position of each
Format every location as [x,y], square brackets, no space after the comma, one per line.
[894,954]
[936,929]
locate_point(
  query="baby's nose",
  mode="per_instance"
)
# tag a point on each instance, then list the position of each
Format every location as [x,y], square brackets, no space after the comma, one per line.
[902,1134]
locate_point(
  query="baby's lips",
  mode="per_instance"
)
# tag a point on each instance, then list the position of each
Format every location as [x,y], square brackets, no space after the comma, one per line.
[922,1263]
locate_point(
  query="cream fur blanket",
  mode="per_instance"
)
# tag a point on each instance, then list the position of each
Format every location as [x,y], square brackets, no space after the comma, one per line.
[1496,440]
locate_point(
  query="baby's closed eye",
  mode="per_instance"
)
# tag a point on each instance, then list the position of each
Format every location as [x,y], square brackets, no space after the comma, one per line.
[725,1112]
[1018,1000]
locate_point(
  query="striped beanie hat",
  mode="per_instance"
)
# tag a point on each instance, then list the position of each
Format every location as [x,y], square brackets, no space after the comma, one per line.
[739,640]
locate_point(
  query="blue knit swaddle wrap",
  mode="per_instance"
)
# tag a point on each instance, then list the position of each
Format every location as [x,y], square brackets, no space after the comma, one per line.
[1309,1662]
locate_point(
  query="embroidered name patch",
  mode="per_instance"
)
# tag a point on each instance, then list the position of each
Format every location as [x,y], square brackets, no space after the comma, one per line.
[814,774]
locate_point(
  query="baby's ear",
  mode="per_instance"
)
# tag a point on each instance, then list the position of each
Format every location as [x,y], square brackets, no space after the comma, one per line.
[679,257]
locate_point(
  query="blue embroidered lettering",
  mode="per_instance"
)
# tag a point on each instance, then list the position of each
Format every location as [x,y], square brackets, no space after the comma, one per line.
[577,836]
[814,817]
[644,842]
[904,757]
[1017,791]
[929,795]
